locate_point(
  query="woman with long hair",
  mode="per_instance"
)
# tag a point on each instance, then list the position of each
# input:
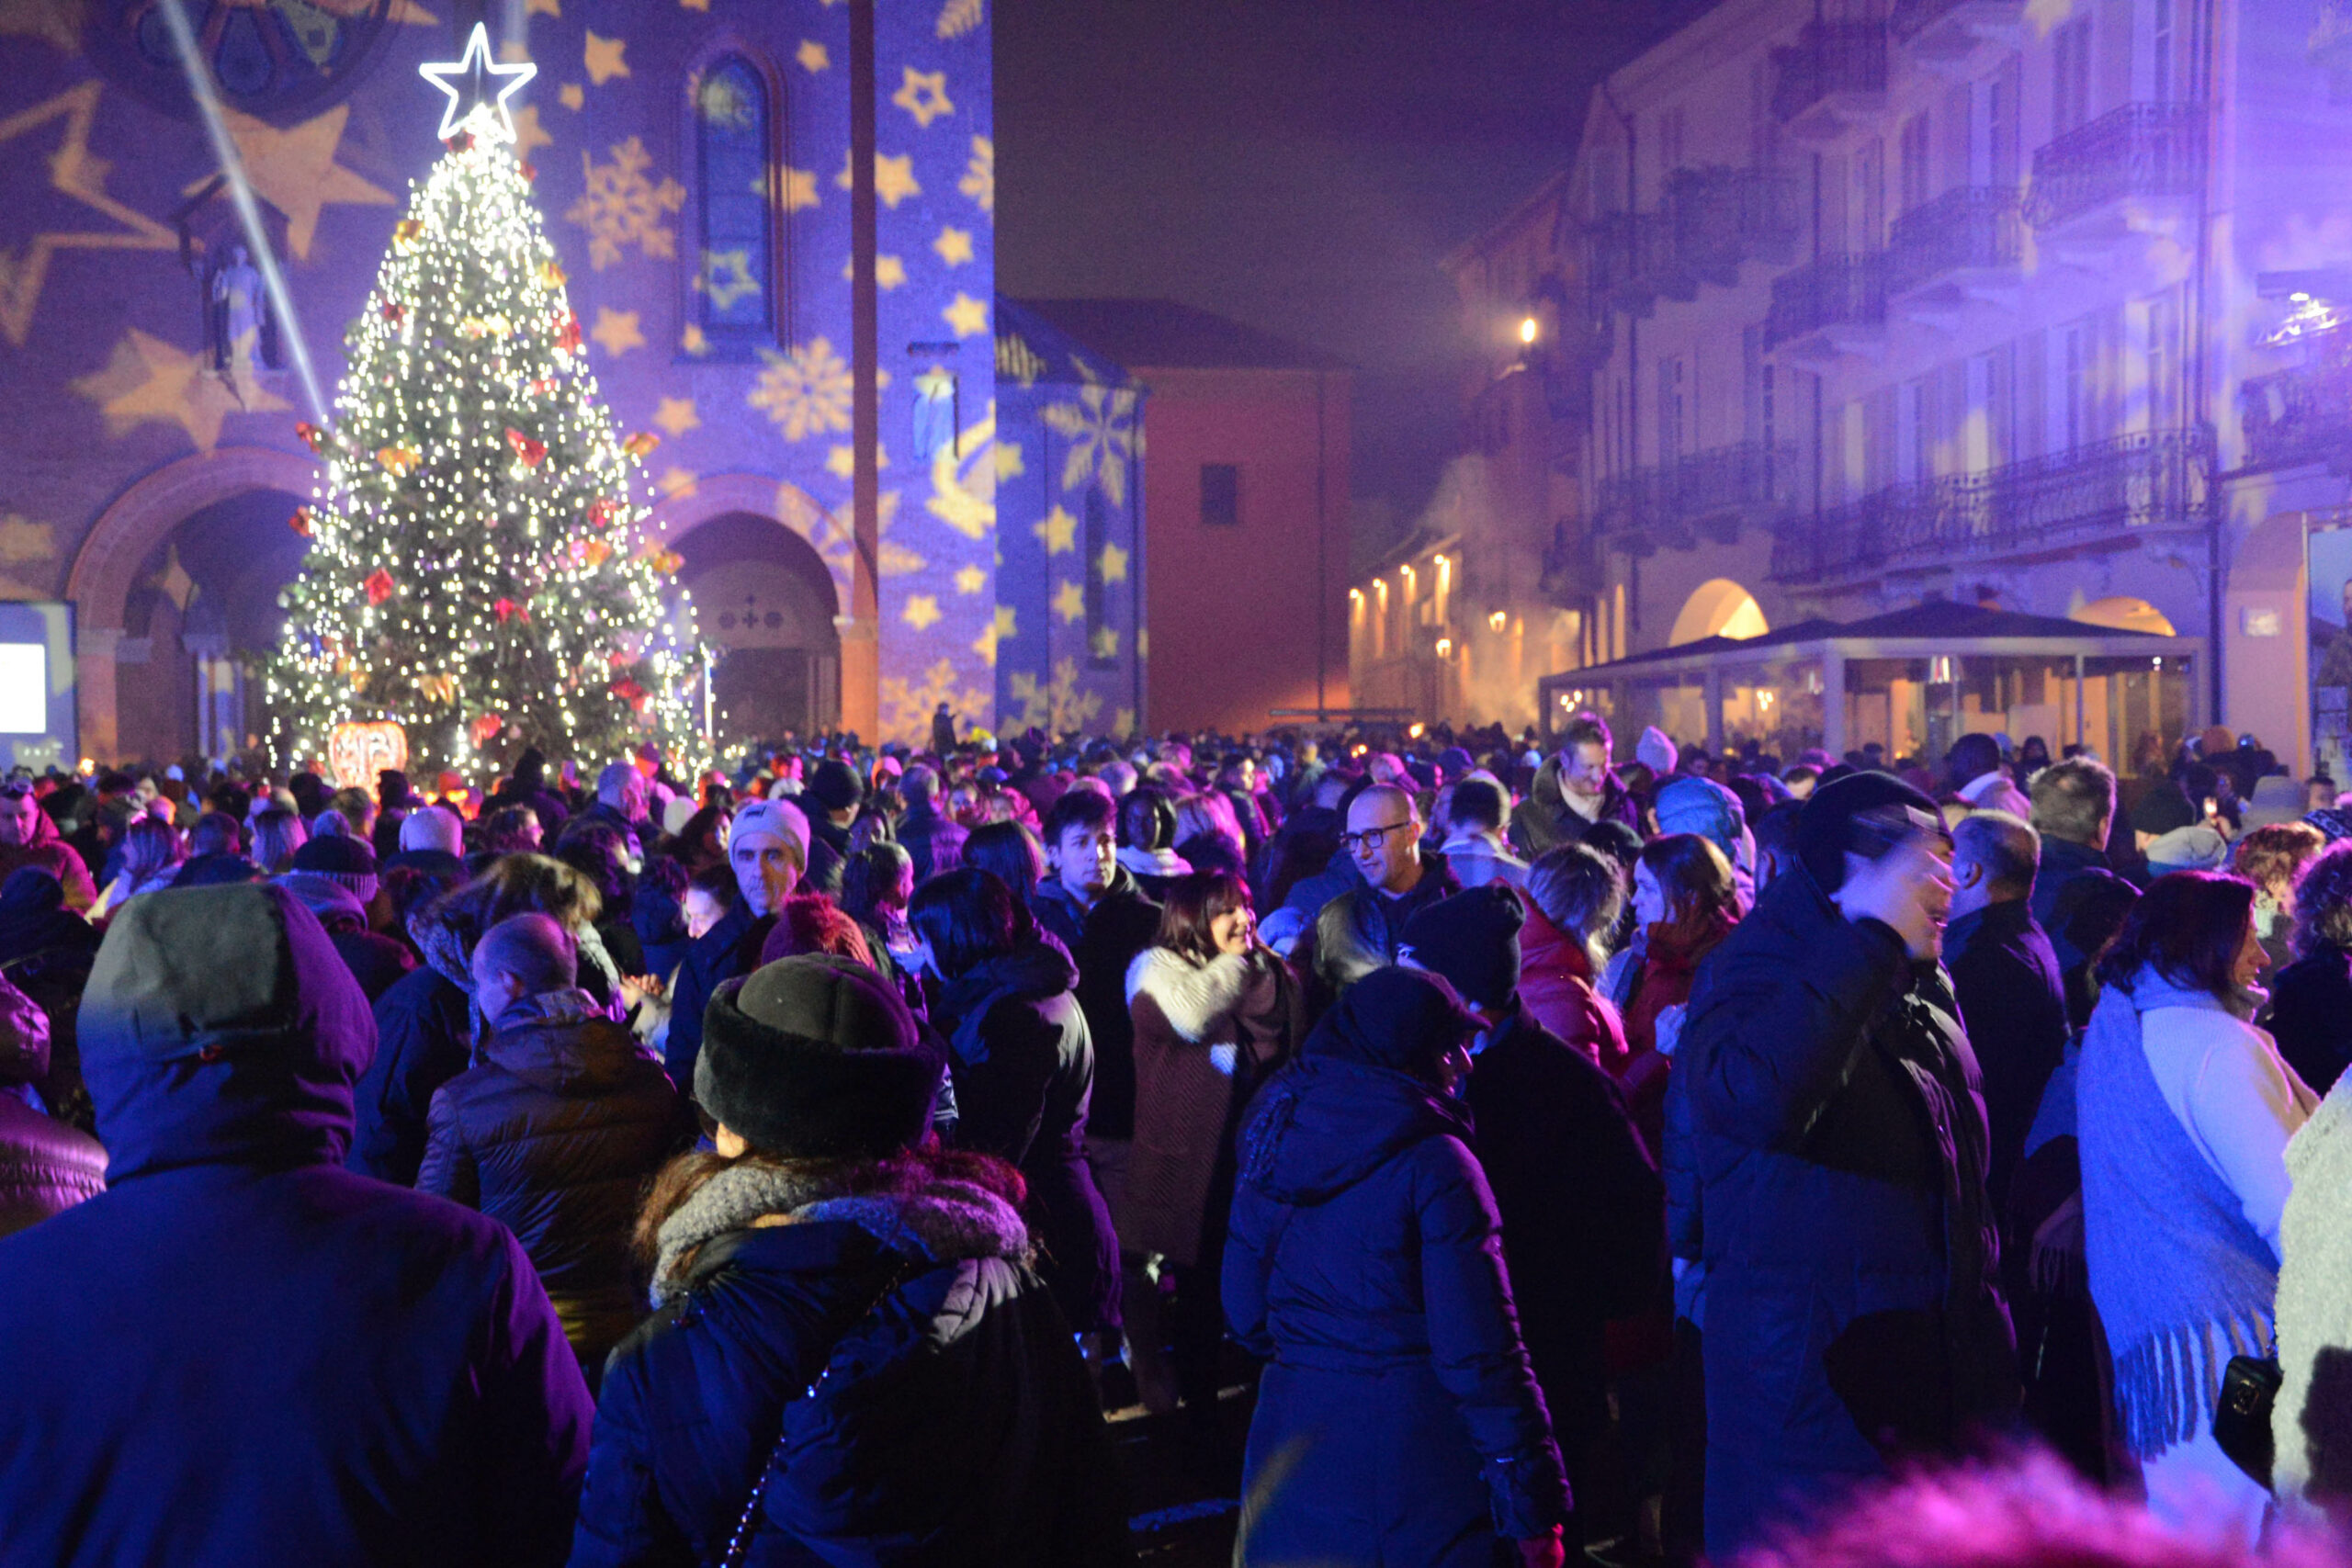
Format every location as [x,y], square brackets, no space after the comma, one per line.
[1215,1012]
[277,833]
[2184,1109]
[1024,1070]
[1685,903]
[153,853]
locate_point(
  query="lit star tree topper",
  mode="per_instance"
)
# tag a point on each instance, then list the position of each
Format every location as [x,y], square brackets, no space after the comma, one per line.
[475,568]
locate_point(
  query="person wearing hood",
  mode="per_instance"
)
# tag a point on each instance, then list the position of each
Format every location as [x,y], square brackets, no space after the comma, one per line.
[1398,1420]
[851,1357]
[28,838]
[1583,1209]
[768,848]
[377,963]
[292,1363]
[45,1165]
[1022,1065]
[1147,840]
[1716,814]
[1838,1129]
[555,1131]
[2184,1109]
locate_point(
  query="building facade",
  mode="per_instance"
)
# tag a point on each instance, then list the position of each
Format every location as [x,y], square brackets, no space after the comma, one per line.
[693,167]
[1245,513]
[2022,305]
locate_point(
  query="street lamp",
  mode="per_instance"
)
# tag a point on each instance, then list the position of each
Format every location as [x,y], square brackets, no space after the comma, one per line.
[1528,330]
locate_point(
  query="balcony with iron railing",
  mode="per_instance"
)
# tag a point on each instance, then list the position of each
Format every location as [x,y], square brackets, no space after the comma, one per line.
[1949,29]
[1971,235]
[1630,262]
[1830,306]
[1833,72]
[2298,416]
[1720,217]
[2140,154]
[1711,492]
[2151,479]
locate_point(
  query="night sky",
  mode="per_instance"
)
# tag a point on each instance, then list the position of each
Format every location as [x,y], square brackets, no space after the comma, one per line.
[1301,165]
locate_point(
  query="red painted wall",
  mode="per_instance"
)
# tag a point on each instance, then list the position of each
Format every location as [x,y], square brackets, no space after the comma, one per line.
[1231,611]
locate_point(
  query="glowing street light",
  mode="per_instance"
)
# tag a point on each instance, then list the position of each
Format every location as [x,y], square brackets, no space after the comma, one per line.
[1528,328]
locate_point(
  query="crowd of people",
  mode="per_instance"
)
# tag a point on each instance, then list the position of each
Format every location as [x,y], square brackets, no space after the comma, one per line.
[1571,1155]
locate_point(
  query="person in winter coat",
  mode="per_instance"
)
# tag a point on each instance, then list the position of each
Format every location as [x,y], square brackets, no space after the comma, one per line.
[28,838]
[1022,1066]
[1398,1420]
[1398,879]
[1573,790]
[1685,903]
[1474,847]
[2077,901]
[1096,908]
[850,1359]
[2312,1474]
[45,952]
[1973,772]
[1575,894]
[1583,1212]
[557,1131]
[2311,1000]
[2184,1109]
[376,962]
[1147,840]
[1214,1014]
[45,1165]
[2006,978]
[300,1365]
[1852,1312]
[768,847]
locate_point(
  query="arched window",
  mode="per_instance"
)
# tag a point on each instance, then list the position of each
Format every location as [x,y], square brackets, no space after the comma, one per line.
[735,278]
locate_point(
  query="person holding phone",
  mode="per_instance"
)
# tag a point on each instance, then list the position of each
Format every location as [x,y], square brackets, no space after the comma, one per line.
[1853,1313]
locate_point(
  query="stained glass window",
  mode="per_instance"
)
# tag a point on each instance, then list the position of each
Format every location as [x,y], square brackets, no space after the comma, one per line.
[734,283]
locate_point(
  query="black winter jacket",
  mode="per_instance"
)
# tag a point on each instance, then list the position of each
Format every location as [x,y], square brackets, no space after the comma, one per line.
[242,1353]
[2013,1003]
[556,1135]
[425,1038]
[1022,1065]
[2079,903]
[2311,1016]
[1104,941]
[1852,1309]
[1365,1260]
[934,1409]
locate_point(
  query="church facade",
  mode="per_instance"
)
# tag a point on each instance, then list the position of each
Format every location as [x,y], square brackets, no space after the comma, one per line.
[692,160]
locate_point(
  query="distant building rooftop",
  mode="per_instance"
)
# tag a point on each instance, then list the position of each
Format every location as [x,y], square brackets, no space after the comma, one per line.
[1165,335]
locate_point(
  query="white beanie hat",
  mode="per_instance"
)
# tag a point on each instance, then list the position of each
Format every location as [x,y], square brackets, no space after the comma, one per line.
[432,828]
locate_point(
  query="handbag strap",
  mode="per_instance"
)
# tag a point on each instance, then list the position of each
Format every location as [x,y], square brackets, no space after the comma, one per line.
[738,1541]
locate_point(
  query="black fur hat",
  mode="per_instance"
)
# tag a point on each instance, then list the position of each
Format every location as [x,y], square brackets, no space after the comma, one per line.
[814,1057]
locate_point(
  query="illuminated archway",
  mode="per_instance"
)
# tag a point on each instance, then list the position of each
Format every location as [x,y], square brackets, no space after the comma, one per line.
[1718,607]
[2122,613]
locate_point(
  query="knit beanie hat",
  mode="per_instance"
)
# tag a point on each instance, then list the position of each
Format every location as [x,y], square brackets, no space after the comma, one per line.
[835,785]
[432,828]
[1833,820]
[1471,938]
[1695,805]
[349,862]
[778,819]
[1656,751]
[814,1057]
[2193,848]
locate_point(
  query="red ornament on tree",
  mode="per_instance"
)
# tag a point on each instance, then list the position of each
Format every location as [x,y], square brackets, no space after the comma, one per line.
[630,692]
[600,512]
[566,333]
[532,453]
[507,609]
[394,312]
[312,436]
[485,725]
[302,522]
[380,586]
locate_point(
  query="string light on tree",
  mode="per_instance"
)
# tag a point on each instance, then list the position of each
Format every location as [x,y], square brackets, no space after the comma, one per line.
[474,571]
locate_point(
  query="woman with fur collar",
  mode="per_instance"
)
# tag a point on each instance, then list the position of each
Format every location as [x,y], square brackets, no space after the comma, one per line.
[851,1355]
[1215,1014]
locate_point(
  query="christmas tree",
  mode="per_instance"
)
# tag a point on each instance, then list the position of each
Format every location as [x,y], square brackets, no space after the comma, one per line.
[474,571]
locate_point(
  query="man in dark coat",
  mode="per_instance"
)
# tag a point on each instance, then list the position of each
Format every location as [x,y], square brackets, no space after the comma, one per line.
[2006,980]
[527,785]
[2077,901]
[832,802]
[1094,908]
[424,1031]
[1852,1309]
[768,847]
[376,962]
[216,846]
[557,1132]
[919,787]
[1399,879]
[1398,1421]
[242,1353]
[1583,1210]
[880,1360]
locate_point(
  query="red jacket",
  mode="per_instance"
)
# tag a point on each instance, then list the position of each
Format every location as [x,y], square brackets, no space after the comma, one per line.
[1556,987]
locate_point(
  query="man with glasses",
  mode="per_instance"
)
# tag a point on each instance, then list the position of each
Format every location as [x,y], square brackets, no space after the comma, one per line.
[29,837]
[1383,843]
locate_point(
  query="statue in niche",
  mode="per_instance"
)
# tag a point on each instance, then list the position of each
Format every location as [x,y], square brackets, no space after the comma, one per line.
[242,337]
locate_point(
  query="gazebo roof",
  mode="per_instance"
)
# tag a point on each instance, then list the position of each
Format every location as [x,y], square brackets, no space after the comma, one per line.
[1944,625]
